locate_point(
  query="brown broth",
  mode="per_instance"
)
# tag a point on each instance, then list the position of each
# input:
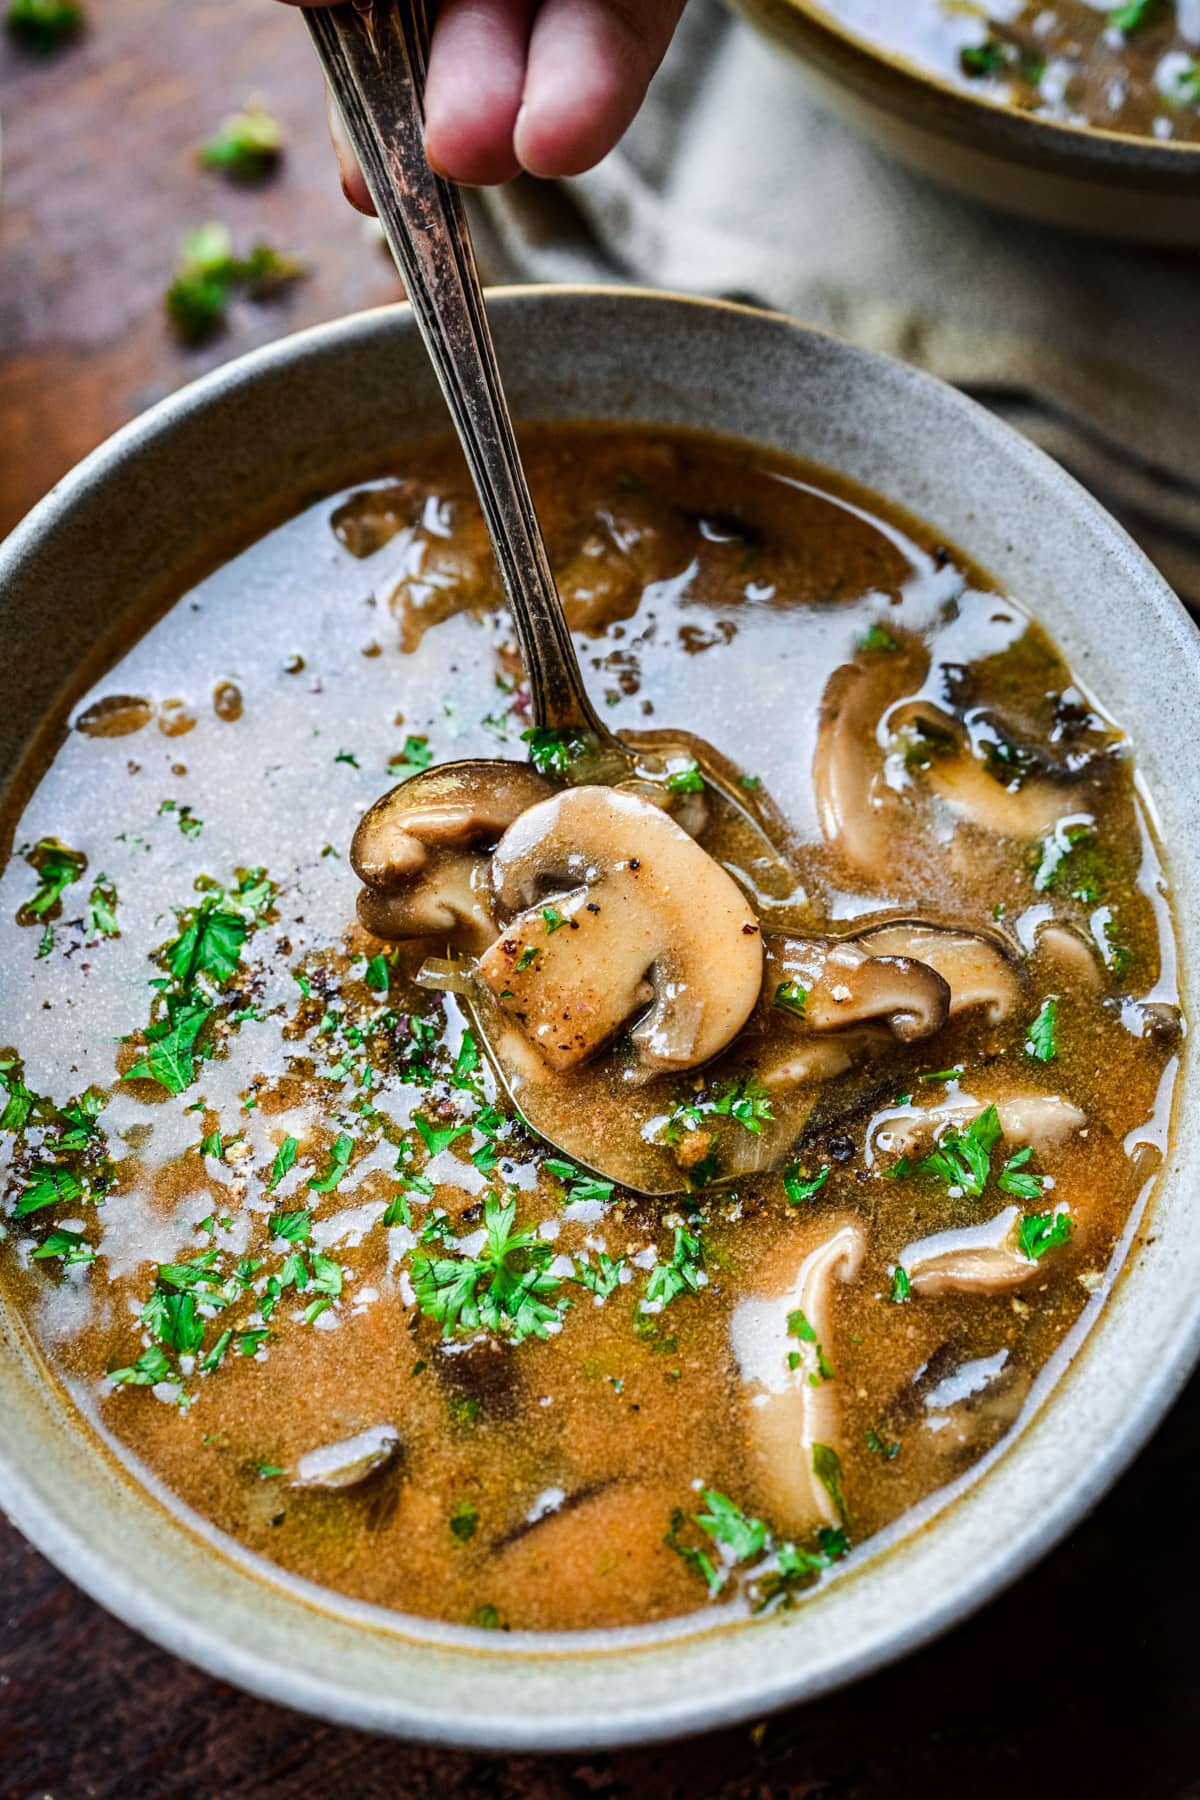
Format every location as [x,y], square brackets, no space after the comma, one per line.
[1066,61]
[554,1482]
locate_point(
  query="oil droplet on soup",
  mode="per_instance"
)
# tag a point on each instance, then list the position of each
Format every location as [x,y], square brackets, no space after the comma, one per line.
[270,1220]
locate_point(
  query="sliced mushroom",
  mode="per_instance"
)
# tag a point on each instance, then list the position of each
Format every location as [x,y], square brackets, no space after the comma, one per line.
[978,1259]
[869,783]
[856,808]
[789,1416]
[418,849]
[972,1405]
[817,1059]
[979,968]
[641,918]
[847,984]
[1070,956]
[332,1467]
[1041,1120]
[1017,808]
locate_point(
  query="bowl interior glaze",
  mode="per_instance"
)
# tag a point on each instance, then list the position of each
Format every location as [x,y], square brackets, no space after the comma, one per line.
[139,515]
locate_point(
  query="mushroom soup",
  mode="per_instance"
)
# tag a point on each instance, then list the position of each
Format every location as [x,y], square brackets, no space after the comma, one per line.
[1132,68]
[906,1080]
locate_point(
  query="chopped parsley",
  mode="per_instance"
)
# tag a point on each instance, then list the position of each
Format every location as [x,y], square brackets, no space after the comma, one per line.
[102,908]
[505,1289]
[554,752]
[827,1468]
[878,638]
[580,1186]
[1136,15]
[684,1274]
[377,974]
[981,60]
[292,1227]
[877,1446]
[150,1368]
[185,818]
[790,997]
[687,780]
[343,1149]
[56,866]
[602,1280]
[464,1521]
[799,1187]
[799,1327]
[1040,1232]
[171,1051]
[744,1539]
[727,1524]
[285,1156]
[208,274]
[71,1246]
[746,1101]
[439,1138]
[1015,1179]
[415,757]
[901,1286]
[962,1159]
[1042,1043]
[553,918]
[527,956]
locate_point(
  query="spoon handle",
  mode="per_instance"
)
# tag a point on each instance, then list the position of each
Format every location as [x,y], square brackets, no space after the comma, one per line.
[374,55]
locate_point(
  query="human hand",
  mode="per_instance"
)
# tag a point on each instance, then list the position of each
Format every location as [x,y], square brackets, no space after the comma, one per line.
[548,86]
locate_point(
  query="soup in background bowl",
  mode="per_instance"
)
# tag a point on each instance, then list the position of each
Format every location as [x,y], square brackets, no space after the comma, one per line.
[1062,112]
[287,1284]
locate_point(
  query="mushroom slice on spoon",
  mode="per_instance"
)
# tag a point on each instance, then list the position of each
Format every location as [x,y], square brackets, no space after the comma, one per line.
[642,920]
[420,850]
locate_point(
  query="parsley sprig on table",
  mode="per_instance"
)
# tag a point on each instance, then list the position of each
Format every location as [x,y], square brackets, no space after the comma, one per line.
[208,274]
[246,147]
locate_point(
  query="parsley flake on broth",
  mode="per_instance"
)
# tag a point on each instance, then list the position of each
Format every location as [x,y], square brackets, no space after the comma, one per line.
[265,1207]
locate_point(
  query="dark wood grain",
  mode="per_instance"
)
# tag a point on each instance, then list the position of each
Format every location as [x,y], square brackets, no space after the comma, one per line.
[1081,1681]
[99,187]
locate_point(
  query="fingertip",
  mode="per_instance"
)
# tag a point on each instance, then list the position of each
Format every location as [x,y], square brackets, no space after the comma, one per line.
[565,128]
[590,62]
[473,89]
[475,153]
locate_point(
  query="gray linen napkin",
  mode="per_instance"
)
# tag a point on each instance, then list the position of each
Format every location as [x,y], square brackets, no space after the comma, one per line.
[734,182]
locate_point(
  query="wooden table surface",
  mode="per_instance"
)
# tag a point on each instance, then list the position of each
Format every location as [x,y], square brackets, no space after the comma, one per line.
[1081,1680]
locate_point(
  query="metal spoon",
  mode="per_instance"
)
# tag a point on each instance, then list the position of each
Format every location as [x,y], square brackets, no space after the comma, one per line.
[374,55]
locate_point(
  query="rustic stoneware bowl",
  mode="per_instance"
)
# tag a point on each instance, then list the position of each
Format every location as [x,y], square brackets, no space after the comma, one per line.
[1076,177]
[281,422]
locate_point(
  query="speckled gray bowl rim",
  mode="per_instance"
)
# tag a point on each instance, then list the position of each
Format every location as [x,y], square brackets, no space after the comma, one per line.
[676,360]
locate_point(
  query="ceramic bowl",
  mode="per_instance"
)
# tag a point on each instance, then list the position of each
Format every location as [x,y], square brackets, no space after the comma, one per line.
[136,516]
[1078,178]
